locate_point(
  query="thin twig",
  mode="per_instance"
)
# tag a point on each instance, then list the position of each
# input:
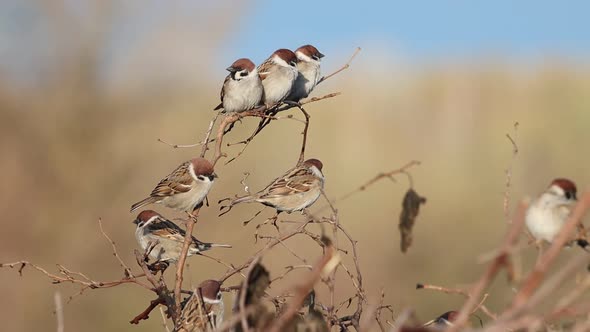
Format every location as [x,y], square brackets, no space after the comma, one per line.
[164,320]
[208,135]
[346,66]
[378,177]
[462,292]
[59,311]
[257,112]
[494,267]
[323,266]
[188,238]
[123,265]
[508,172]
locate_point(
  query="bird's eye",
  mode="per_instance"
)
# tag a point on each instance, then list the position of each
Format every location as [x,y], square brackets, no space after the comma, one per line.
[315,57]
[219,296]
[293,63]
[244,73]
[200,177]
[568,195]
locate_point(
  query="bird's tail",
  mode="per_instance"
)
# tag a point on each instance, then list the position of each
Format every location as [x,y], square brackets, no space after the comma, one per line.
[203,246]
[143,203]
[226,208]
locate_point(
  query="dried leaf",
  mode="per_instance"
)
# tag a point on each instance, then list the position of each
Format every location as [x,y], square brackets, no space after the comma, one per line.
[410,208]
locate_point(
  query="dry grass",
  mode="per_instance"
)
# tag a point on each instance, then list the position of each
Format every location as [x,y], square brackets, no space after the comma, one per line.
[74,151]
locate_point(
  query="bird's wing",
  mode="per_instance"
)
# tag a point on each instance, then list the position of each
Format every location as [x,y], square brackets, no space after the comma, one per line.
[222,93]
[167,229]
[264,68]
[179,181]
[298,180]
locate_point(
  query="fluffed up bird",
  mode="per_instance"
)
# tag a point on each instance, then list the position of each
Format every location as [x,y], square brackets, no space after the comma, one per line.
[278,73]
[185,188]
[166,238]
[308,67]
[295,190]
[190,317]
[548,212]
[242,89]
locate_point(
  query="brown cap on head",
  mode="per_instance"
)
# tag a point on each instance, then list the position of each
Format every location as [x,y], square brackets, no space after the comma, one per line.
[286,55]
[202,166]
[314,162]
[568,186]
[209,289]
[241,64]
[146,215]
[451,316]
[310,51]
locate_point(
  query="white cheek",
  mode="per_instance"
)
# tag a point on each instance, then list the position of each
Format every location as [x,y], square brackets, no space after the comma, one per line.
[303,57]
[281,62]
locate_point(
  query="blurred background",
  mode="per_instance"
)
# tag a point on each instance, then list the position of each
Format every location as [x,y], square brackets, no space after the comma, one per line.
[87,88]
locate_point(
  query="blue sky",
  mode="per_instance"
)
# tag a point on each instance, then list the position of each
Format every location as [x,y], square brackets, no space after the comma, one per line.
[418,31]
[421,29]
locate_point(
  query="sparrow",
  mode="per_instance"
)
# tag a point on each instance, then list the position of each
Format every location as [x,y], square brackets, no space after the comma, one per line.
[308,66]
[260,317]
[166,238]
[278,73]
[443,321]
[190,317]
[548,213]
[242,89]
[313,321]
[185,188]
[295,190]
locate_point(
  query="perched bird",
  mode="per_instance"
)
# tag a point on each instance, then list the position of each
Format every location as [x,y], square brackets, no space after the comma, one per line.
[166,237]
[443,321]
[313,321]
[308,66]
[190,317]
[548,213]
[297,189]
[260,317]
[278,73]
[242,89]
[185,188]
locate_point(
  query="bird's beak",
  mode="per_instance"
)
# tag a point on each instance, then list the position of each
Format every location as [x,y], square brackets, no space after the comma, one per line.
[215,176]
[320,55]
[136,221]
[231,69]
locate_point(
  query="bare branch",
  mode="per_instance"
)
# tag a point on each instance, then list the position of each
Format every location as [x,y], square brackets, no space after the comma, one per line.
[346,66]
[123,265]
[188,238]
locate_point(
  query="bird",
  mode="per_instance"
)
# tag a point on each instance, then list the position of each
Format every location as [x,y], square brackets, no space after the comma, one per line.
[443,321]
[190,317]
[260,317]
[185,188]
[295,190]
[547,213]
[278,73]
[242,89]
[166,238]
[308,67]
[313,321]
